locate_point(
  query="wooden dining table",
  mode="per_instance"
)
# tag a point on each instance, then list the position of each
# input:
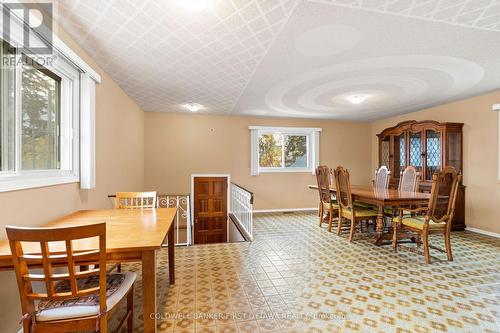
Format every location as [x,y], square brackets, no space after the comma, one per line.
[382,198]
[131,235]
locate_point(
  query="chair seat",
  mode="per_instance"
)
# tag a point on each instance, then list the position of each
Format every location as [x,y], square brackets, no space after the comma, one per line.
[117,286]
[326,206]
[417,222]
[364,205]
[359,212]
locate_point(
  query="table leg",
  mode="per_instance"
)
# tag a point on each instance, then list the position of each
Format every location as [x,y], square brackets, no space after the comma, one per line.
[149,290]
[171,255]
[380,226]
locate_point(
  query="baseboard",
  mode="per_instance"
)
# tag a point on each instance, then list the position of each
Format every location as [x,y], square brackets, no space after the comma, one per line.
[483,232]
[285,210]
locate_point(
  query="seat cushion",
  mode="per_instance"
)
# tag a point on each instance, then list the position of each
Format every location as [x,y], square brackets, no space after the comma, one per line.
[417,222]
[326,206]
[359,212]
[117,286]
[364,205]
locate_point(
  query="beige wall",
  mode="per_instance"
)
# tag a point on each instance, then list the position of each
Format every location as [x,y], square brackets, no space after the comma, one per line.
[120,166]
[480,153]
[178,145]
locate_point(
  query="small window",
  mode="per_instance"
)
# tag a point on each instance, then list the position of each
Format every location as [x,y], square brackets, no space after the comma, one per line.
[284,149]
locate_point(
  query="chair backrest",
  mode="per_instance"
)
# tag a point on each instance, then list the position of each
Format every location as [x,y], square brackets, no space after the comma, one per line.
[443,195]
[323,179]
[382,178]
[408,179]
[343,186]
[63,260]
[135,200]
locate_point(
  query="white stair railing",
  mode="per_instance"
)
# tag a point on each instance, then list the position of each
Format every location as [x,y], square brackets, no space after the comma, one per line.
[242,210]
[183,224]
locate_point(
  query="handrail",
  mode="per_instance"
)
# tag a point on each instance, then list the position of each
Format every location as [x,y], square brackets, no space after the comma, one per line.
[244,189]
[158,195]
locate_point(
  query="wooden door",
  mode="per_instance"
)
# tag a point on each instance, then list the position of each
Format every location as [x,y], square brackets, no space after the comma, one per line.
[210,210]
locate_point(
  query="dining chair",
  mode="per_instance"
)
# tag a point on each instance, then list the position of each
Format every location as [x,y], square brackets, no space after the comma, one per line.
[135,200]
[437,215]
[73,301]
[347,210]
[408,180]
[326,203]
[381,180]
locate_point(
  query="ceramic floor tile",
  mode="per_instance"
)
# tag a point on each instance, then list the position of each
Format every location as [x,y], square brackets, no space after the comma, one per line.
[297,277]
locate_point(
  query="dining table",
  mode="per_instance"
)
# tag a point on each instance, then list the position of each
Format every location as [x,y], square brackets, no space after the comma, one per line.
[382,198]
[132,235]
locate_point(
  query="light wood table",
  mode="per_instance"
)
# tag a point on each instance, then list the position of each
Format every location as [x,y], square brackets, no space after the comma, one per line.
[131,235]
[381,199]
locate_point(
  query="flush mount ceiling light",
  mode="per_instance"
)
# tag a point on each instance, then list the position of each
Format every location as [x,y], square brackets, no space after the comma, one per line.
[195,5]
[193,107]
[357,98]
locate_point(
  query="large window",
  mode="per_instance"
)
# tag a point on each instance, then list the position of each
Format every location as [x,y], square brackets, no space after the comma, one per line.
[282,149]
[38,121]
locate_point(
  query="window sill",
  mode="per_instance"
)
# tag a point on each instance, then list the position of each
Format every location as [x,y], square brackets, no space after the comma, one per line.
[35,180]
[296,170]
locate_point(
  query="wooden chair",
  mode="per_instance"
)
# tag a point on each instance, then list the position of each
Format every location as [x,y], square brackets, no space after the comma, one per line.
[381,180]
[326,203]
[408,180]
[135,200]
[438,214]
[75,300]
[347,210]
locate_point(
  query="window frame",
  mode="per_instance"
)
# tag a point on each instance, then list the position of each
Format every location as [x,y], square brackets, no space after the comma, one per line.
[68,171]
[312,146]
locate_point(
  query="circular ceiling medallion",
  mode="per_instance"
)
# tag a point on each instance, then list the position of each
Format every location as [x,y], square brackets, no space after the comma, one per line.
[327,40]
[254,112]
[392,84]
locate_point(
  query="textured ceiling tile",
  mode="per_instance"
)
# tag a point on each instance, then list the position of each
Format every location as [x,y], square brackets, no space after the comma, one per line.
[164,55]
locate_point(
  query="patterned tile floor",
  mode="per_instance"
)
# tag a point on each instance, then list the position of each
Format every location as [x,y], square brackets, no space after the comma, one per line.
[296,277]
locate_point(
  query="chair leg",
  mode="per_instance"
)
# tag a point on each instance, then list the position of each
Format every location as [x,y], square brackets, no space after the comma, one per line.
[425,241]
[330,221]
[394,237]
[353,229]
[130,309]
[103,323]
[447,242]
[320,215]
[339,226]
[119,268]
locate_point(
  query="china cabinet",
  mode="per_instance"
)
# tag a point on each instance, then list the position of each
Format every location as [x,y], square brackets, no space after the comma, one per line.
[428,146]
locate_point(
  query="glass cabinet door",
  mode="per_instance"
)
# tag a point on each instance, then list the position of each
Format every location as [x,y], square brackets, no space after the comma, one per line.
[454,150]
[416,150]
[399,154]
[385,152]
[433,153]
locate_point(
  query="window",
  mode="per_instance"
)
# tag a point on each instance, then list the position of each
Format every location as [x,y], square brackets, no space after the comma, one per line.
[284,149]
[40,117]
[38,122]
[47,109]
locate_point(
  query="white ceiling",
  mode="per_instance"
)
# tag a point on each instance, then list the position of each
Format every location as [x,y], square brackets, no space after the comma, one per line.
[292,58]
